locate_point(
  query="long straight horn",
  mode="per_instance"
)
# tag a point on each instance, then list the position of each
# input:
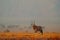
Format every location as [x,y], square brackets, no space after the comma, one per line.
[34,22]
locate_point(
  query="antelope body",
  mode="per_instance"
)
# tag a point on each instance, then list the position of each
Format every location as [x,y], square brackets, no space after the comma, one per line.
[37,28]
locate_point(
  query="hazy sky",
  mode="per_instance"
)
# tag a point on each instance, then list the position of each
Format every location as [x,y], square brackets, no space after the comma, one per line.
[23,12]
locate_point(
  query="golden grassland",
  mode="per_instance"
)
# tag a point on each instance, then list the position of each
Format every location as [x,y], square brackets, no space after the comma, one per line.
[30,36]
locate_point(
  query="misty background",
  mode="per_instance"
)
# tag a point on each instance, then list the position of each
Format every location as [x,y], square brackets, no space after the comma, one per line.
[22,12]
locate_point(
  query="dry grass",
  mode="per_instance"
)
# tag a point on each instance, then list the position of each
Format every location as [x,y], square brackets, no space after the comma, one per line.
[29,36]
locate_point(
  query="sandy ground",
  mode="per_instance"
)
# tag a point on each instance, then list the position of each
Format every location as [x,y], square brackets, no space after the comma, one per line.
[29,36]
